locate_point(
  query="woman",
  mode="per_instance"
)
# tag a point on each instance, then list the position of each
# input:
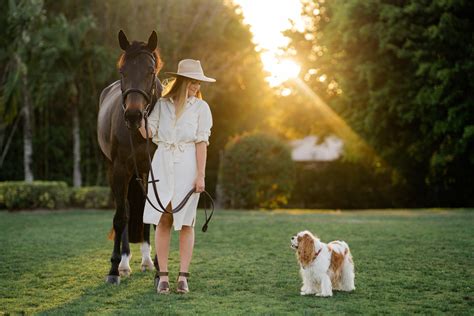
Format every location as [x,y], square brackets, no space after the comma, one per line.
[180,125]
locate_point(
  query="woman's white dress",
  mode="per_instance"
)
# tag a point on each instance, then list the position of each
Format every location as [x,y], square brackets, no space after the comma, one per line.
[174,162]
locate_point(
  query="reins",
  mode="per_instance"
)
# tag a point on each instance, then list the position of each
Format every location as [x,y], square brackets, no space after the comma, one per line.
[151,98]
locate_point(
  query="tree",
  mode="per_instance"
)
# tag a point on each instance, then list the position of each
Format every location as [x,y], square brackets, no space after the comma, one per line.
[63,72]
[22,18]
[398,72]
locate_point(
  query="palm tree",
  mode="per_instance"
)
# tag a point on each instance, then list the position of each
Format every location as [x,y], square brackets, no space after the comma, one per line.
[22,18]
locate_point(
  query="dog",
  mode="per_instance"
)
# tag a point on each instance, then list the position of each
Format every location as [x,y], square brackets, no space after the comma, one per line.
[323,267]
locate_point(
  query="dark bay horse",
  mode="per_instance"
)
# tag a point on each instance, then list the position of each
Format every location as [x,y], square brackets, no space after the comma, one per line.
[121,109]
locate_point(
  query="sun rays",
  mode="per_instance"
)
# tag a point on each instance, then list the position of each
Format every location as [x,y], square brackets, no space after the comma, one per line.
[283,71]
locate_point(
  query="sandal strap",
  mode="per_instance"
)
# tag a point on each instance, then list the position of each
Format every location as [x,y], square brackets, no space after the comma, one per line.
[185,274]
[160,273]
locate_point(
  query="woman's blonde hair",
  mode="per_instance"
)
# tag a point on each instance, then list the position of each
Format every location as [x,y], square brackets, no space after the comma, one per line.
[177,89]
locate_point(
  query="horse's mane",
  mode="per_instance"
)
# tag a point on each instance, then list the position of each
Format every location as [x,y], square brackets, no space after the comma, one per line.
[134,49]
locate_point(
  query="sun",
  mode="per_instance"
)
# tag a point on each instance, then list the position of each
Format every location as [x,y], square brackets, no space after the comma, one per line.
[267,34]
[281,70]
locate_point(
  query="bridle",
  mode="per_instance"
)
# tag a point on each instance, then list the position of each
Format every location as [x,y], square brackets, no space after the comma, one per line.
[151,98]
[150,95]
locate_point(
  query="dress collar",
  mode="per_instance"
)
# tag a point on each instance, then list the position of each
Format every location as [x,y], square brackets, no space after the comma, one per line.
[190,100]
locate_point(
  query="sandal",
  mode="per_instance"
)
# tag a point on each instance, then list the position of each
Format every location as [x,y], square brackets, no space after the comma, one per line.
[182,285]
[162,287]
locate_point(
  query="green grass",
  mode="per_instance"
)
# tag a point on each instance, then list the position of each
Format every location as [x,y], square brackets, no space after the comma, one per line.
[406,262]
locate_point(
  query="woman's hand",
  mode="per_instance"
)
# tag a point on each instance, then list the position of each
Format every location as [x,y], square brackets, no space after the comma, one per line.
[142,129]
[199,184]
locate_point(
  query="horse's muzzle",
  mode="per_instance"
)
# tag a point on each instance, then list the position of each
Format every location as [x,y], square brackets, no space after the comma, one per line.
[133,118]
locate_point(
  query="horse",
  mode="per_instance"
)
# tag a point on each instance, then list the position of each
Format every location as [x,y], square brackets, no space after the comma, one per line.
[122,106]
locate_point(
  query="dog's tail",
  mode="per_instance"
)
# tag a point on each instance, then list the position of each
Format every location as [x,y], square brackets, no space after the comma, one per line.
[347,251]
[348,274]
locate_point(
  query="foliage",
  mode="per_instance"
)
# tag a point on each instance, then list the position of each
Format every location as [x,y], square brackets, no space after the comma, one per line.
[256,171]
[20,19]
[400,259]
[400,72]
[16,195]
[73,58]
[344,184]
[91,197]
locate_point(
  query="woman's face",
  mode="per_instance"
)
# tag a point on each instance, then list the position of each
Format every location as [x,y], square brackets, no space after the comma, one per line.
[193,87]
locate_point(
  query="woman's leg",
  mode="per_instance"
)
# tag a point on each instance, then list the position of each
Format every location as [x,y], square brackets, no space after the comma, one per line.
[162,241]
[186,246]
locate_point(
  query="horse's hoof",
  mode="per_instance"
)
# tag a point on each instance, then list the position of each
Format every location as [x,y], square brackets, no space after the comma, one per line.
[113,279]
[125,272]
[146,267]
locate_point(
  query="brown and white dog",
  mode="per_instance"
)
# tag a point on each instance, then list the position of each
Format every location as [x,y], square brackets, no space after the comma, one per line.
[323,267]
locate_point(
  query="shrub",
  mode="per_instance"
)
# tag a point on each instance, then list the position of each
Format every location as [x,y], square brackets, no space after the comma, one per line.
[256,171]
[91,197]
[344,184]
[38,194]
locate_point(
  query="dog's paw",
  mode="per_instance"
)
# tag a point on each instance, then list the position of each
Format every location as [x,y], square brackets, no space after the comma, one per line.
[306,292]
[324,295]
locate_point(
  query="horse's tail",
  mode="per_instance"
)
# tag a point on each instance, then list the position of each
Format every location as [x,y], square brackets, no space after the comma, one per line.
[136,202]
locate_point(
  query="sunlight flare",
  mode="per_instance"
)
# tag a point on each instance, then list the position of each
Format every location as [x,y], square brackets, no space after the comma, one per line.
[280,70]
[267,34]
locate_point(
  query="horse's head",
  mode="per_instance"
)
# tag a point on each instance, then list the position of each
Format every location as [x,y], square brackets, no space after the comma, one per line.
[139,66]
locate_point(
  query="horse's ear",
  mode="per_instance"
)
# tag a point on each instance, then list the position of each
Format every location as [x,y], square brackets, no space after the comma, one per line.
[123,41]
[152,41]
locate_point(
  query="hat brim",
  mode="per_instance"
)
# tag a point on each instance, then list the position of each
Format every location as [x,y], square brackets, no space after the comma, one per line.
[192,76]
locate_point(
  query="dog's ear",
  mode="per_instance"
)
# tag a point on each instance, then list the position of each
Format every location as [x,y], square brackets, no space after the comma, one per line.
[306,251]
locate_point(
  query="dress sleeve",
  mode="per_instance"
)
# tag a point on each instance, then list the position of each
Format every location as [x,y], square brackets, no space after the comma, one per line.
[204,123]
[154,119]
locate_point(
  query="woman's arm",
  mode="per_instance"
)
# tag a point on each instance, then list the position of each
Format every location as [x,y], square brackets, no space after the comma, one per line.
[153,122]
[201,156]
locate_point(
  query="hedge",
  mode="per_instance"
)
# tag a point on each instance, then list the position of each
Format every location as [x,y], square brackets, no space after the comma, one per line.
[16,195]
[256,171]
[344,184]
[92,197]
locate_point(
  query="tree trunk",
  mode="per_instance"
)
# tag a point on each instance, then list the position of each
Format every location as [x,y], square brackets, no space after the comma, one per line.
[27,130]
[76,138]
[9,140]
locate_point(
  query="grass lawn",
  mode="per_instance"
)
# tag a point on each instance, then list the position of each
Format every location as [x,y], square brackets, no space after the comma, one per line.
[415,261]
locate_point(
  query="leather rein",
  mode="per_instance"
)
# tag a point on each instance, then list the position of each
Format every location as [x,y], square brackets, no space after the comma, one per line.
[151,98]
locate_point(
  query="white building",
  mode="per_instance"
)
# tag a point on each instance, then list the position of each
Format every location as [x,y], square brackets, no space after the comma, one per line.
[308,149]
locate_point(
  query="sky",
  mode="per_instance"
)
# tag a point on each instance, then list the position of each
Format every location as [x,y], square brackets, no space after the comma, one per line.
[267,19]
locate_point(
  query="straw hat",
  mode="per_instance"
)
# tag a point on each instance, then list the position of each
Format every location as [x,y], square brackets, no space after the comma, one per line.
[190,68]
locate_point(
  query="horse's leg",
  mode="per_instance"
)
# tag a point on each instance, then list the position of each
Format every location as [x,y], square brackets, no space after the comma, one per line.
[119,186]
[145,248]
[124,266]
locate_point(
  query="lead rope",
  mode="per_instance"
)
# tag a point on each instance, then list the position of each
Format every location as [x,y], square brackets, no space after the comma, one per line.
[153,182]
